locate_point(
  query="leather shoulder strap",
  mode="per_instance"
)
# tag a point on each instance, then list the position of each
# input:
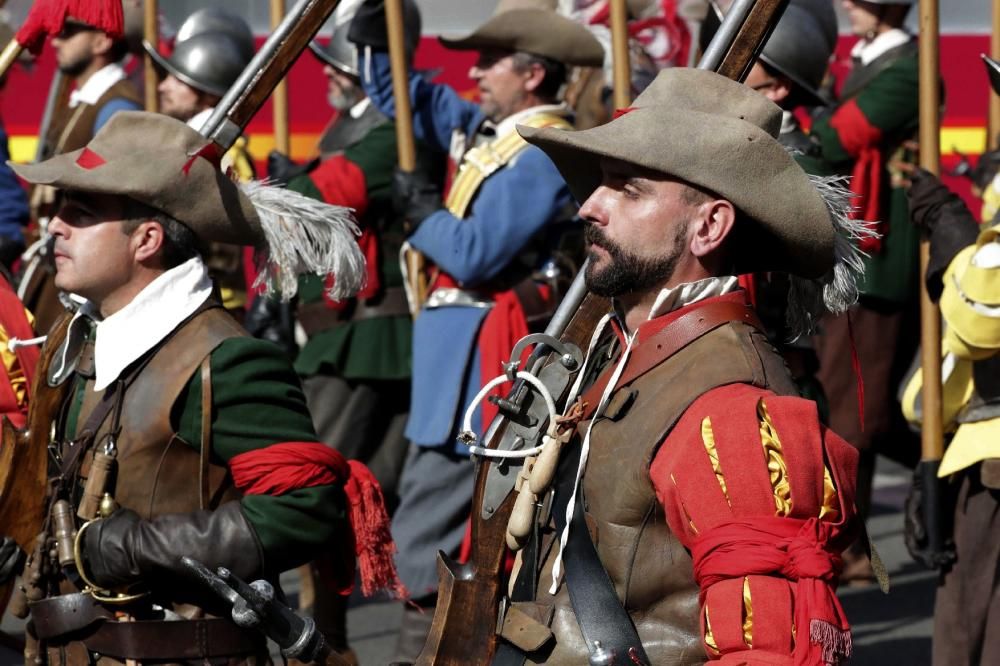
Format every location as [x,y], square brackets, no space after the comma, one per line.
[670,340]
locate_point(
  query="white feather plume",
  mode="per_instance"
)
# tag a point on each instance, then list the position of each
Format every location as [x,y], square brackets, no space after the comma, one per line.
[837,290]
[305,236]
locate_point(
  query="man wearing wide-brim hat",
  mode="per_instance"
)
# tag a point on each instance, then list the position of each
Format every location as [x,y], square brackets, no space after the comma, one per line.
[706,505]
[203,431]
[500,194]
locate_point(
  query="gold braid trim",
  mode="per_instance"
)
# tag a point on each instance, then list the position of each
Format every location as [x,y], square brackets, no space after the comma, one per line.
[708,439]
[709,637]
[481,162]
[776,467]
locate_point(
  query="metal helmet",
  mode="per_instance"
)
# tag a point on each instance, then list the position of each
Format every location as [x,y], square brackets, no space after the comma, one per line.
[993,70]
[209,61]
[800,46]
[343,55]
[216,20]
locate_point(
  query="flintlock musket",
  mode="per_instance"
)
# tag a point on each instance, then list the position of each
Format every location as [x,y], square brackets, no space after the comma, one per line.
[470,595]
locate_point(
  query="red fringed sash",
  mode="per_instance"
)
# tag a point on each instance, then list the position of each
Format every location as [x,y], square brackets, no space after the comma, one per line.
[861,140]
[281,468]
[803,551]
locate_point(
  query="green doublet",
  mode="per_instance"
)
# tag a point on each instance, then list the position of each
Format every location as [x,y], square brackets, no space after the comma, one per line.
[377,348]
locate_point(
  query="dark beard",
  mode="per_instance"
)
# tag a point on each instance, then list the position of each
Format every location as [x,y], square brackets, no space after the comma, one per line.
[626,272]
[76,68]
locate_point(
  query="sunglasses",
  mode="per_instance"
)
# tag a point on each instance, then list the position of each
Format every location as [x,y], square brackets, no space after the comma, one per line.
[72,28]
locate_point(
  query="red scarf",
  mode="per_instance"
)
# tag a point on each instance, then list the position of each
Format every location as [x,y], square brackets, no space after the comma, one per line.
[862,140]
[282,468]
[803,551]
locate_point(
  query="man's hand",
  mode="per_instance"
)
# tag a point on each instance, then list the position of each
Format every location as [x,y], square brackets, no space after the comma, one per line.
[414,196]
[11,559]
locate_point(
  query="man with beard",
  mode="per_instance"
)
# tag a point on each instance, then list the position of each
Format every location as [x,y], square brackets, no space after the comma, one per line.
[502,196]
[699,507]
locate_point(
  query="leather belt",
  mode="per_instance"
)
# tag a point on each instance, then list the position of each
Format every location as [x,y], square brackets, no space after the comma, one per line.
[159,640]
[318,317]
[64,614]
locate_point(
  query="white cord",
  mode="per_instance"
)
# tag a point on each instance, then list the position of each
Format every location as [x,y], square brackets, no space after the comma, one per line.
[468,435]
[14,343]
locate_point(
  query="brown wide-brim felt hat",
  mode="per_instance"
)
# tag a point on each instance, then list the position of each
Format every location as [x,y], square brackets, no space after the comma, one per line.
[536,31]
[708,130]
[163,163]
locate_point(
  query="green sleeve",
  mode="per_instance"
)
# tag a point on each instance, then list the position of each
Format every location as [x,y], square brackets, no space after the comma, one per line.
[257,401]
[376,156]
[888,103]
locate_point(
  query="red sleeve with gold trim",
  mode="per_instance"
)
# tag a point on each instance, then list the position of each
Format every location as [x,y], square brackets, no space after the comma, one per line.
[763,496]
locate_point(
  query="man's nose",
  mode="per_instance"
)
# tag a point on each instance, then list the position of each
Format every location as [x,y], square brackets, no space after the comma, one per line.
[58,227]
[593,209]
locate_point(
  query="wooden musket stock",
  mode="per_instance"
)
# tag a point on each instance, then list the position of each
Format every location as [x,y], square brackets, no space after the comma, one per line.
[464,631]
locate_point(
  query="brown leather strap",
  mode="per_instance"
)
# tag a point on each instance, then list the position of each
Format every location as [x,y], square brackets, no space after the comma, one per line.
[318,317]
[157,640]
[65,614]
[673,337]
[206,432]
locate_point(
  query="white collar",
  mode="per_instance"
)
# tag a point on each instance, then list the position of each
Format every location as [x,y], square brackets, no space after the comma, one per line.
[196,121]
[672,298]
[789,123]
[506,125]
[164,303]
[867,51]
[97,85]
[359,109]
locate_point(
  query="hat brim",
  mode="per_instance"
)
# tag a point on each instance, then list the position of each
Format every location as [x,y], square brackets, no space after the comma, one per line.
[326,59]
[164,66]
[739,161]
[535,31]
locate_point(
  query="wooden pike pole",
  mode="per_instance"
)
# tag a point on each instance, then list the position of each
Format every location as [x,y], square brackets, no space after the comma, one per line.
[993,121]
[280,96]
[621,68]
[151,34]
[405,146]
[931,434]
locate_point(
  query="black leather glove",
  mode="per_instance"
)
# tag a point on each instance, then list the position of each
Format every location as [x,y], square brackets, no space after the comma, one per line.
[415,196]
[942,215]
[11,559]
[282,169]
[986,169]
[123,549]
[915,521]
[368,26]
[273,320]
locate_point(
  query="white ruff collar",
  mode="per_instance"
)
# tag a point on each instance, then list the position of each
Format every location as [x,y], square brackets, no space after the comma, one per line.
[156,311]
[867,51]
[672,298]
[97,85]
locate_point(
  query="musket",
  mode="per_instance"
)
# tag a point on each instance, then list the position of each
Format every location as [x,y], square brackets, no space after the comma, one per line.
[255,606]
[468,611]
[24,452]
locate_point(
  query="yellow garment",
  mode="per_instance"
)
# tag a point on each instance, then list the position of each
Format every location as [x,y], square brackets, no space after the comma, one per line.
[481,162]
[15,374]
[747,614]
[991,201]
[238,164]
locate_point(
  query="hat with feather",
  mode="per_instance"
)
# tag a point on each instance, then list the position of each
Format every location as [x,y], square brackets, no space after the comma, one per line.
[718,134]
[165,164]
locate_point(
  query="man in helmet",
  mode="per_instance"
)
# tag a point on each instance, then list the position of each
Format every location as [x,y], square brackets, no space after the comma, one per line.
[861,136]
[694,480]
[503,196]
[203,432]
[963,277]
[355,363]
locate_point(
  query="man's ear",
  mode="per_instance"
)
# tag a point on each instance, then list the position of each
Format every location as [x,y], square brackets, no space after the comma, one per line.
[534,76]
[147,241]
[102,44]
[713,223]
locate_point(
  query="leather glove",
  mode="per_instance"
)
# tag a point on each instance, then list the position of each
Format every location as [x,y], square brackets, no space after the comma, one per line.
[123,549]
[11,559]
[272,320]
[368,26]
[915,523]
[414,196]
[283,169]
[986,168]
[942,215]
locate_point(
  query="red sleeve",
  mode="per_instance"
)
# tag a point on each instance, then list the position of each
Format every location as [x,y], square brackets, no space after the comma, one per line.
[744,455]
[342,183]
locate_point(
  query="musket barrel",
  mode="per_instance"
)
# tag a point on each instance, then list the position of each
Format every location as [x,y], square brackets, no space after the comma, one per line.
[723,38]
